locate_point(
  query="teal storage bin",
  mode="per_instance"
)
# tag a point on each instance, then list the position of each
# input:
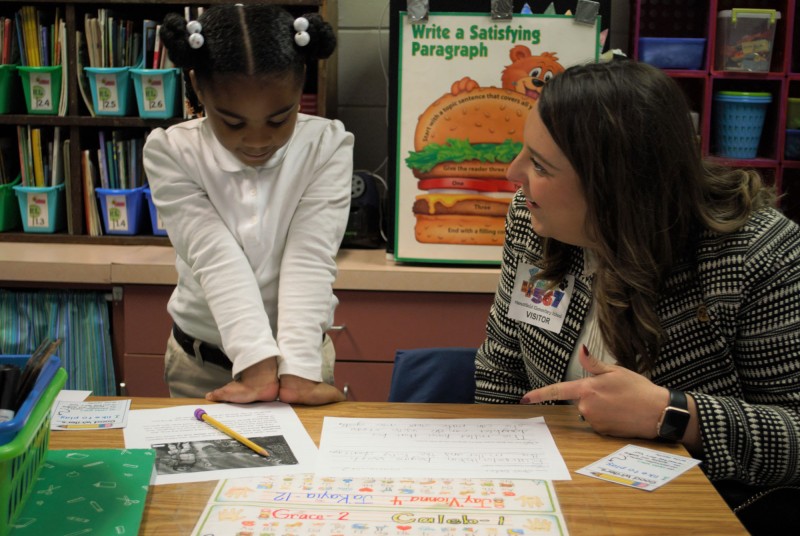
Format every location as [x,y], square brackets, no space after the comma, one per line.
[155,221]
[43,209]
[739,120]
[122,209]
[156,92]
[110,88]
[9,207]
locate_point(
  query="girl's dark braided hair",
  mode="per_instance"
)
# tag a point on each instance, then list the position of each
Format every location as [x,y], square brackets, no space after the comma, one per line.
[253,39]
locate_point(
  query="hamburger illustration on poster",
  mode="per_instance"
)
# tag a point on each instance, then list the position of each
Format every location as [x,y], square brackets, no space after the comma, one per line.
[467,85]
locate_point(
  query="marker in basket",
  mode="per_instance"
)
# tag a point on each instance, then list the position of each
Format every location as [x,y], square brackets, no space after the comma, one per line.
[201,415]
[9,378]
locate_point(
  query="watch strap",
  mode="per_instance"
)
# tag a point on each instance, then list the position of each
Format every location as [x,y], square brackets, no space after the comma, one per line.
[677,399]
[675,418]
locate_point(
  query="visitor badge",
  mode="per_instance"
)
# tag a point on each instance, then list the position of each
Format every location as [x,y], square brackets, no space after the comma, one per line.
[538,302]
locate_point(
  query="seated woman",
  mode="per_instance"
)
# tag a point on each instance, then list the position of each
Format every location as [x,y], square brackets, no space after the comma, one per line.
[658,292]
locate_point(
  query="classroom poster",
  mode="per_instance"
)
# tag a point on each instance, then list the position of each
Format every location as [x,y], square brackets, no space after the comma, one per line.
[466,83]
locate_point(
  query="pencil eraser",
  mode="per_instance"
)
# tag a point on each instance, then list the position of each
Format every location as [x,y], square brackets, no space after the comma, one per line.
[198,414]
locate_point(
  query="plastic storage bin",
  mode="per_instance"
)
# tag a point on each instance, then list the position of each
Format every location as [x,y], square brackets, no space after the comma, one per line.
[42,209]
[42,88]
[739,119]
[8,83]
[745,39]
[791,150]
[673,52]
[9,207]
[793,113]
[155,220]
[156,92]
[110,88]
[22,456]
[122,209]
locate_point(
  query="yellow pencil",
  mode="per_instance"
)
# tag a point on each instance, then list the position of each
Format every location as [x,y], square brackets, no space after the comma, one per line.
[201,415]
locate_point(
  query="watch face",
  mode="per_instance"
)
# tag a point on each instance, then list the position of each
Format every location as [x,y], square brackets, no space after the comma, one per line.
[673,424]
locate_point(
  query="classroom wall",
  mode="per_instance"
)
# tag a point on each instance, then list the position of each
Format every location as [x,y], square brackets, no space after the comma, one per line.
[363,85]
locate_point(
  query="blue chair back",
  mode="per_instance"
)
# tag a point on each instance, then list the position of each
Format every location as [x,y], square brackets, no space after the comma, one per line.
[434,375]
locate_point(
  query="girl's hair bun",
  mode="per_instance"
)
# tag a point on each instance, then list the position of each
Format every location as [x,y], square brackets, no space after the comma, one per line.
[323,39]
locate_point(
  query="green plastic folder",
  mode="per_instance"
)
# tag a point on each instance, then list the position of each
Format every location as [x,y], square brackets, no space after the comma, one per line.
[95,491]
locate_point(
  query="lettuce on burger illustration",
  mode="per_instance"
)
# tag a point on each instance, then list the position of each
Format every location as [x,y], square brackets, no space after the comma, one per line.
[463,144]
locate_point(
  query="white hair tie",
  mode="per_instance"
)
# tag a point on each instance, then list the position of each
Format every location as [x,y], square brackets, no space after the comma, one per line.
[196,39]
[301,37]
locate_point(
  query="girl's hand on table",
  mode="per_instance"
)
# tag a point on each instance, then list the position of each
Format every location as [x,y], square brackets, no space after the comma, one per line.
[258,383]
[297,390]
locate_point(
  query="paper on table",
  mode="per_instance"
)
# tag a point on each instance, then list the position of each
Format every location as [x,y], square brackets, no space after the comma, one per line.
[474,448]
[639,467]
[188,450]
[303,504]
[94,415]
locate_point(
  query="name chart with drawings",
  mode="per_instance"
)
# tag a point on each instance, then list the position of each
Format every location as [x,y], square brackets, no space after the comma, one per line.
[305,504]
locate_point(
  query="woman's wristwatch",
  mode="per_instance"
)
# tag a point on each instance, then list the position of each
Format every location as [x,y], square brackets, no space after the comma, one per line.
[675,418]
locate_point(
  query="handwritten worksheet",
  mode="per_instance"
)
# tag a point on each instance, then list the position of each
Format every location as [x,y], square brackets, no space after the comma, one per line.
[470,448]
[305,504]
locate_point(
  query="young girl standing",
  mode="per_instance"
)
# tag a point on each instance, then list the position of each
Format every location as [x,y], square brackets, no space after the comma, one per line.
[255,198]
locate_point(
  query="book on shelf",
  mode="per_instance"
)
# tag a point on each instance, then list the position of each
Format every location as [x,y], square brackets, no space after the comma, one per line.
[39,41]
[56,160]
[148,41]
[41,154]
[82,57]
[112,41]
[69,185]
[91,212]
[9,48]
[23,149]
[9,160]
[63,60]
[38,165]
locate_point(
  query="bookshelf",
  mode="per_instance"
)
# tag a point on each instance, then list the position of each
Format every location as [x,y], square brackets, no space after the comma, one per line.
[81,129]
[781,80]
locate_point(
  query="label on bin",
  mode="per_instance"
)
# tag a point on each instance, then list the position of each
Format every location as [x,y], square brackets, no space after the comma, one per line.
[117,213]
[41,91]
[107,93]
[153,93]
[38,213]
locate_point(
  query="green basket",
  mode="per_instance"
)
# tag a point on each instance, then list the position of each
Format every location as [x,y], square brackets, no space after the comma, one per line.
[9,82]
[22,458]
[9,206]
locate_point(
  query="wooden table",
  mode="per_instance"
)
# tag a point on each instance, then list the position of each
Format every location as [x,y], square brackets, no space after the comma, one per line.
[687,505]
